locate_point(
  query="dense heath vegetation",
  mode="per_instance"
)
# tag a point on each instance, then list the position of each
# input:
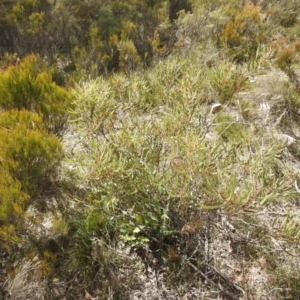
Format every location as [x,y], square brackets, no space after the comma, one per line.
[149,149]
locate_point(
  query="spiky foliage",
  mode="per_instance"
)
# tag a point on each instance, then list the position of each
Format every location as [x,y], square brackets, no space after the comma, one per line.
[187,171]
[159,166]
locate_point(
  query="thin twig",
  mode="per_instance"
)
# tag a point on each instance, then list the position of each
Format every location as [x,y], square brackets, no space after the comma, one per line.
[227,280]
[228,294]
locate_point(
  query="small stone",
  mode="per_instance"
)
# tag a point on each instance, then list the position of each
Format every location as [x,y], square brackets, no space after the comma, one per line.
[216,108]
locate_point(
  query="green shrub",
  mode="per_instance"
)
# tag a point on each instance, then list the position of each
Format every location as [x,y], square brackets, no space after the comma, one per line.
[230,130]
[89,250]
[12,198]
[27,86]
[288,57]
[282,12]
[244,33]
[12,203]
[27,151]
[155,161]
[226,79]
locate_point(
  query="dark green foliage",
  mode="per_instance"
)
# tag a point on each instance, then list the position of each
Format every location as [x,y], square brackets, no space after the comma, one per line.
[175,6]
[57,30]
[30,19]
[6,31]
[109,21]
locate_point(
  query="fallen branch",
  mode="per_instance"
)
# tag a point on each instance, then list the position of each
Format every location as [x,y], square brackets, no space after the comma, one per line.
[221,290]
